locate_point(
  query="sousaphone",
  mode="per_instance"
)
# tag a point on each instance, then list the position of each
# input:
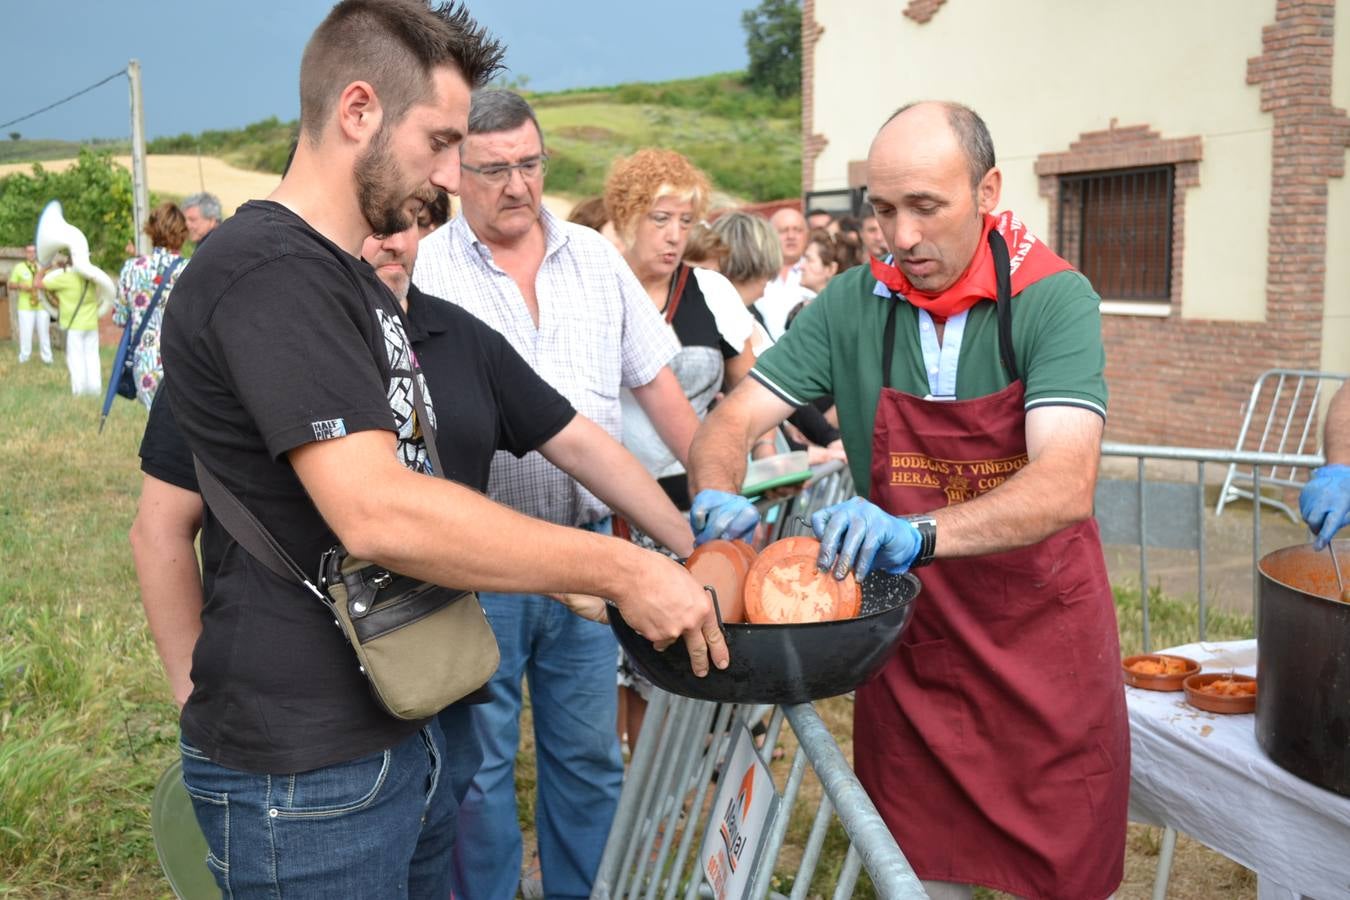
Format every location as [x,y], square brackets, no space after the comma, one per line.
[56,235]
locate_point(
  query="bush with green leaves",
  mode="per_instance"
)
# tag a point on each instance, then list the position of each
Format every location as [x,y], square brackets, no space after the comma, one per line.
[95,196]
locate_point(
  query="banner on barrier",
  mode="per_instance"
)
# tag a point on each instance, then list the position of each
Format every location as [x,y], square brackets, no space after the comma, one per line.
[745,804]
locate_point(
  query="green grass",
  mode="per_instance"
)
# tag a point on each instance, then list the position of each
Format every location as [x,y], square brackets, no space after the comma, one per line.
[754,159]
[86,723]
[1172,622]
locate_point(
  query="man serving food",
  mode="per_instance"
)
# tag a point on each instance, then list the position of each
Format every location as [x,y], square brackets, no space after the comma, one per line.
[968,373]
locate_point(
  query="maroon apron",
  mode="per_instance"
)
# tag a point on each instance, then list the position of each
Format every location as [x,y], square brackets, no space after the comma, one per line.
[995,742]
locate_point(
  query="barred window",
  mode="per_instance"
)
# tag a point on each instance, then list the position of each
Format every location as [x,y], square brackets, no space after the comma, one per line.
[1116,228]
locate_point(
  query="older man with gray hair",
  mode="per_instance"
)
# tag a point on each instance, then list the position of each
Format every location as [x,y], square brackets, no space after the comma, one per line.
[568,303]
[785,291]
[202,212]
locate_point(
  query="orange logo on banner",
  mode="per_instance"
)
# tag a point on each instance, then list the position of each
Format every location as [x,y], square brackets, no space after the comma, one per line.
[732,839]
[959,480]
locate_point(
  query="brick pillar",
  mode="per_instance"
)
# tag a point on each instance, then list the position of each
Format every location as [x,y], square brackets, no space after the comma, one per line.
[1308,148]
[812,143]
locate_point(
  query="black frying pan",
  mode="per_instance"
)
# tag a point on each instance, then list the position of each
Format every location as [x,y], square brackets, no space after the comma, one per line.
[786,663]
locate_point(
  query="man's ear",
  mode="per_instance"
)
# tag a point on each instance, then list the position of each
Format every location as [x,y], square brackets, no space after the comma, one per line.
[987,194]
[359,112]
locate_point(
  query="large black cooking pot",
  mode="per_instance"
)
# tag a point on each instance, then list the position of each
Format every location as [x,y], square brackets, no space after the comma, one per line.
[1303,666]
[787,663]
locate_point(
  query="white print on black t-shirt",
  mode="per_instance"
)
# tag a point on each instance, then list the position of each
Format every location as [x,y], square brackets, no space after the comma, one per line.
[412,451]
[329,429]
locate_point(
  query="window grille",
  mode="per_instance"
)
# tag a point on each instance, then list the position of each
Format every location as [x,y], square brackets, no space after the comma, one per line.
[1116,228]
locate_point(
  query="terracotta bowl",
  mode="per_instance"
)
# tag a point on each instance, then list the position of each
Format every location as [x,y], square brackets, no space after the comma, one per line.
[1160,682]
[784,587]
[1219,703]
[723,566]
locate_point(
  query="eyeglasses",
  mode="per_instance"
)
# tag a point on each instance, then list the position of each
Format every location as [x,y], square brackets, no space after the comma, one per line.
[501,174]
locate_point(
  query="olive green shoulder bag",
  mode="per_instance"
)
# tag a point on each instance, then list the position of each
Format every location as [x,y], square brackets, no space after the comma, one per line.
[420,646]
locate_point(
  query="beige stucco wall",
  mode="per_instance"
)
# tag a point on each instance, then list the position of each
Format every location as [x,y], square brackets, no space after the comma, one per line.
[1042,72]
[1336,311]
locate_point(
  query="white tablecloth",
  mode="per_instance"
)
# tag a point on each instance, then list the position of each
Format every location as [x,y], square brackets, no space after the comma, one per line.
[1205,775]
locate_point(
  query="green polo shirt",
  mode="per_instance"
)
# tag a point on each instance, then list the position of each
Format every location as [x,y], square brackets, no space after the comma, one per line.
[22,275]
[66,286]
[834,348]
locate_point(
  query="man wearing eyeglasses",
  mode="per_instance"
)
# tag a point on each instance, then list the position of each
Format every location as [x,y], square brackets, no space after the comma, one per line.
[564,298]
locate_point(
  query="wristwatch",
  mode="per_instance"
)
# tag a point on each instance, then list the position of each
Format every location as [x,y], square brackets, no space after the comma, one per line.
[927,526]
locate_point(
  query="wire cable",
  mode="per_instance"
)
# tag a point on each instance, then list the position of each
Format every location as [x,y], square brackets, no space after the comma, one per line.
[118,74]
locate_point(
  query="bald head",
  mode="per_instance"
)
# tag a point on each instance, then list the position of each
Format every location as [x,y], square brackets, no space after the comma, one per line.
[963,124]
[791,227]
[928,203]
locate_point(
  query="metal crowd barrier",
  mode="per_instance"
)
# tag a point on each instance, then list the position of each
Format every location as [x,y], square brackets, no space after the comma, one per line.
[1172,514]
[665,810]
[788,516]
[1286,404]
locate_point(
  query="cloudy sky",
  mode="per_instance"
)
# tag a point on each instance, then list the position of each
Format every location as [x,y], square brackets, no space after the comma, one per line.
[226,63]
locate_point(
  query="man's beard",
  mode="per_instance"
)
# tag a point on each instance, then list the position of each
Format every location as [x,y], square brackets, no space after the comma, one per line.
[378,190]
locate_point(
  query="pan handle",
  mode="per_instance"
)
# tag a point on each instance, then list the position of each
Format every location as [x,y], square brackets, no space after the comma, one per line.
[717,607]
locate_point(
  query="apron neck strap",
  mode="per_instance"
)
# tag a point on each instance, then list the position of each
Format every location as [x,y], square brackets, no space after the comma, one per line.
[1003,277]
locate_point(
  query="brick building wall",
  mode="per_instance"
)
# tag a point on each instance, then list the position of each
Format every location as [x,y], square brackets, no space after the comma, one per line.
[1181,380]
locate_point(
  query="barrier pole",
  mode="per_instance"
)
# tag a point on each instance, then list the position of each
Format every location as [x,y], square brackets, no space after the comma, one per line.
[890,871]
[1200,547]
[639,765]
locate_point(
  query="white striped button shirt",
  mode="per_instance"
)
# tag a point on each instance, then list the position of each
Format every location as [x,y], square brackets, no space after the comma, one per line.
[598,332]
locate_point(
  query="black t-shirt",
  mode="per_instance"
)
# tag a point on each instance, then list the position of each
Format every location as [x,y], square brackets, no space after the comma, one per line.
[164,453]
[276,338]
[490,399]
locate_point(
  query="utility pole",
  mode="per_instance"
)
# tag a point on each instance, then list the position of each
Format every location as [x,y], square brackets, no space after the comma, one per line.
[140,192]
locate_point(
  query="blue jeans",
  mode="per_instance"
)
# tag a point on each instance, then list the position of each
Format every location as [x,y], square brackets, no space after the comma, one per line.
[570,664]
[377,826]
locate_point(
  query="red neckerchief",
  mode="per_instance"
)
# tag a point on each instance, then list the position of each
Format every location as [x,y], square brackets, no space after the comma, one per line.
[1030,260]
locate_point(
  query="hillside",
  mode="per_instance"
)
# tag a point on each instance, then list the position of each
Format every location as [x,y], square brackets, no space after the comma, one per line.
[749,144]
[25,150]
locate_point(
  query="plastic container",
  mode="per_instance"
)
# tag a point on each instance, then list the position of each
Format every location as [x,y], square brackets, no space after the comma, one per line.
[782,470]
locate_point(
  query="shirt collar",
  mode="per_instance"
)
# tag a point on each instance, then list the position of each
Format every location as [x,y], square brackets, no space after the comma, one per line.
[555,235]
[880,290]
[424,316]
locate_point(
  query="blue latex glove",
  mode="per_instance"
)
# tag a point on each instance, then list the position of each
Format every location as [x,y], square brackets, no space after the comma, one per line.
[1325,503]
[858,535]
[717,514]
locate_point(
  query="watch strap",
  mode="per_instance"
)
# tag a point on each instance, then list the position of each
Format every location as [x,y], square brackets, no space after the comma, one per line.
[927,528]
